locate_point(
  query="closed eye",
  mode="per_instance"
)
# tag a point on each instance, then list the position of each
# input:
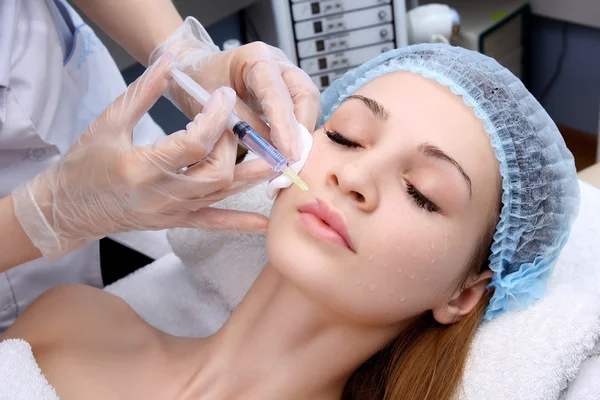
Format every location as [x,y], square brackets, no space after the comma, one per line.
[421,200]
[340,139]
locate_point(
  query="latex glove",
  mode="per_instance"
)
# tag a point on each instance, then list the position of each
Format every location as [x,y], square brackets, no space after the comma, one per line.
[105,185]
[263,77]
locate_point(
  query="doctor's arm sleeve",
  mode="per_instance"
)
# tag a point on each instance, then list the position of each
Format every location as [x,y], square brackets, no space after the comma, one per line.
[153,23]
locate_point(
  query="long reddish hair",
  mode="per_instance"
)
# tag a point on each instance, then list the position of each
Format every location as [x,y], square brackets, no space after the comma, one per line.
[426,361]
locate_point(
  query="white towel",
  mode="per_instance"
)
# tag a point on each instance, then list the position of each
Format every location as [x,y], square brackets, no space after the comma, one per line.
[20,376]
[586,385]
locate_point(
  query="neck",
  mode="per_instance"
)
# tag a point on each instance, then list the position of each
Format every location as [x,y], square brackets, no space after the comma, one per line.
[281,344]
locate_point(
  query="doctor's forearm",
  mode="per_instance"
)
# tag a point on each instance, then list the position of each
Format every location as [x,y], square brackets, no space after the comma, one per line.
[15,246]
[137,25]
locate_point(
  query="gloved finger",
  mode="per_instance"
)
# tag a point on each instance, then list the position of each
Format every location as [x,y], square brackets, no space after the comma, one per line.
[219,163]
[205,184]
[253,172]
[217,219]
[266,84]
[202,192]
[220,183]
[305,95]
[140,96]
[213,173]
[185,148]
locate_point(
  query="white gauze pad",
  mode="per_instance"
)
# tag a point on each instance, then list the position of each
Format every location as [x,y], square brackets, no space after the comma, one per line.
[281,182]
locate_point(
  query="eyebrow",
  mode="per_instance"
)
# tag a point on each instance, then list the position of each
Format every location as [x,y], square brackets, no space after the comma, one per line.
[432,151]
[376,108]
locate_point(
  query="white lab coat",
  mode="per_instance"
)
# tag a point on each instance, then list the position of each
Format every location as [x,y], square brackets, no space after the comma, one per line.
[52,86]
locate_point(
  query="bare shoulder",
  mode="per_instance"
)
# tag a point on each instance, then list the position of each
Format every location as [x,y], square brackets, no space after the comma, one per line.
[74,313]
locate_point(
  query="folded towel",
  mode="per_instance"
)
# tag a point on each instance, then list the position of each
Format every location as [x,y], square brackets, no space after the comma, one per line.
[163,294]
[531,354]
[20,376]
[226,262]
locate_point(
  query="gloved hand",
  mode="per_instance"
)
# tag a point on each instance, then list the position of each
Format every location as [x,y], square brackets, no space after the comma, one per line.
[263,77]
[105,185]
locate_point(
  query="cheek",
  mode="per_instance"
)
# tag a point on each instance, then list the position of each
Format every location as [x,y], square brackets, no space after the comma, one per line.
[411,262]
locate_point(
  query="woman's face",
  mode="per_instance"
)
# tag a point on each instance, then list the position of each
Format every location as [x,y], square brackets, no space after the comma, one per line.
[407,185]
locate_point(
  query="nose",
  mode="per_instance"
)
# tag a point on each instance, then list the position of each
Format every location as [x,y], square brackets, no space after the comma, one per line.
[355,183]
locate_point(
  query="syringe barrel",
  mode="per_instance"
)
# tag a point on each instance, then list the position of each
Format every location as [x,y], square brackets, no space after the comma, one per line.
[258,145]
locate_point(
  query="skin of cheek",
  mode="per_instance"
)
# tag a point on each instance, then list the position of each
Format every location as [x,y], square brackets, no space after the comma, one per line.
[414,268]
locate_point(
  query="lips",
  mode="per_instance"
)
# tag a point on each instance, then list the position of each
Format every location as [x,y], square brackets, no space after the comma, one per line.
[325,223]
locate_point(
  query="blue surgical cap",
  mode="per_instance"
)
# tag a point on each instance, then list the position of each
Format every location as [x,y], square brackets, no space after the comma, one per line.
[540,191]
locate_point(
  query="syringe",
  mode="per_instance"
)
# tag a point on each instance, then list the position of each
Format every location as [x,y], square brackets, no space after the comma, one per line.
[248,136]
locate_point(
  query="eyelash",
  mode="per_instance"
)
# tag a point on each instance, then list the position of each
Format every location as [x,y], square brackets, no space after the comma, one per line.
[421,200]
[339,139]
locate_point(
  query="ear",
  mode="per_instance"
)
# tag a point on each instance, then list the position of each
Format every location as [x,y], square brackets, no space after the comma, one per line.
[464,300]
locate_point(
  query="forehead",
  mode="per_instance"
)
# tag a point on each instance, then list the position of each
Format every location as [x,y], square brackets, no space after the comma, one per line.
[422,109]
[421,103]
